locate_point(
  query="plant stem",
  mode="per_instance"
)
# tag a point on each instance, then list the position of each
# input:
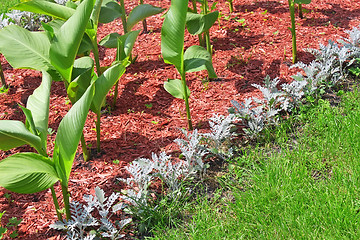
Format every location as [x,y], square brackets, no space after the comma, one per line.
[96,56]
[98,115]
[66,197]
[144,21]
[186,98]
[293,32]
[123,16]
[86,154]
[206,34]
[3,81]
[56,203]
[231,5]
[300,11]
[116,92]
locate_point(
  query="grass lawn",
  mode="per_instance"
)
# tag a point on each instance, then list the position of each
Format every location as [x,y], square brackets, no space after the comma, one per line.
[5,4]
[306,187]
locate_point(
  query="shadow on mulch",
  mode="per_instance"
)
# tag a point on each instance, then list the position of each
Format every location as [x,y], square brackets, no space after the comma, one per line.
[336,16]
[273,7]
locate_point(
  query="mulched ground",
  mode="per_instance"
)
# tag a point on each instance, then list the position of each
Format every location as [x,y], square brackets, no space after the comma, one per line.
[147,118]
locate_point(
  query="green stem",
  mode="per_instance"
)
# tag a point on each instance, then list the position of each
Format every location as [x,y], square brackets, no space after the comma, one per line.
[56,203]
[123,16]
[98,115]
[231,6]
[300,11]
[2,76]
[86,154]
[96,56]
[186,98]
[206,34]
[116,92]
[66,197]
[194,6]
[293,31]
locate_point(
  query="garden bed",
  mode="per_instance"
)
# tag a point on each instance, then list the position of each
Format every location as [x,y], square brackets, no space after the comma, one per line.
[147,119]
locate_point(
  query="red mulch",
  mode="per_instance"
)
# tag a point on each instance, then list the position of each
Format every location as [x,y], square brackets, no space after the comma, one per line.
[243,55]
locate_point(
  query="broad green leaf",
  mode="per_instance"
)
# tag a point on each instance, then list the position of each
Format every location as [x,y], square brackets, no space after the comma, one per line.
[27,173]
[85,45]
[302,1]
[25,49]
[127,42]
[141,12]
[82,74]
[14,134]
[172,33]
[96,13]
[71,4]
[38,104]
[104,83]
[110,10]
[69,133]
[46,8]
[176,89]
[197,58]
[199,23]
[67,40]
[30,125]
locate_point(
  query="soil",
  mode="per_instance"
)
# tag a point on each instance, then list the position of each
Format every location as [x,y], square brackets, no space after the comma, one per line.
[147,119]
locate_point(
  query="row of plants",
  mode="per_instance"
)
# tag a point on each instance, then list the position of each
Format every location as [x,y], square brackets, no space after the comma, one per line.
[196,149]
[87,89]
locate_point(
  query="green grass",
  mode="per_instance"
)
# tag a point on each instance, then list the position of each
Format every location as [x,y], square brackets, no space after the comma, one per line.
[6,4]
[307,188]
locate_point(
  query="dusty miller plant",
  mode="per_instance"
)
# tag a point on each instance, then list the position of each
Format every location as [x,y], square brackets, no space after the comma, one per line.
[330,64]
[221,132]
[257,113]
[82,219]
[193,150]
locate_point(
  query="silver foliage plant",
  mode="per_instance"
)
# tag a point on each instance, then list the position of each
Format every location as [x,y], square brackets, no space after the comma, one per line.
[82,219]
[172,172]
[256,113]
[331,62]
[328,69]
[28,20]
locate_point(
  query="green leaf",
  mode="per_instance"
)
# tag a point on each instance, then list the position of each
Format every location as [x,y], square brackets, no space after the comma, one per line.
[46,8]
[25,49]
[14,134]
[141,12]
[176,89]
[67,40]
[38,103]
[172,33]
[110,10]
[27,173]
[30,125]
[82,74]
[69,133]
[104,83]
[127,42]
[199,23]
[197,58]
[302,1]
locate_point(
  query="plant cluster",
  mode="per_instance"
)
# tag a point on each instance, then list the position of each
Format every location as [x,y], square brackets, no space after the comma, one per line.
[328,69]
[10,228]
[82,220]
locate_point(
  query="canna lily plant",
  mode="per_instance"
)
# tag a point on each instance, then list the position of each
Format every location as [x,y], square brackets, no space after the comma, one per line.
[292,29]
[195,58]
[200,24]
[127,41]
[55,50]
[34,172]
